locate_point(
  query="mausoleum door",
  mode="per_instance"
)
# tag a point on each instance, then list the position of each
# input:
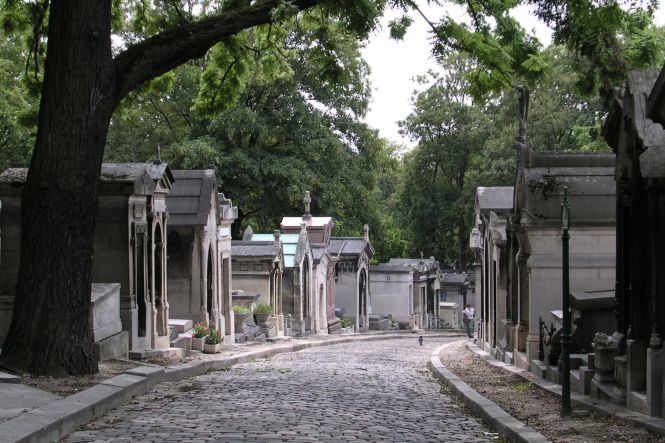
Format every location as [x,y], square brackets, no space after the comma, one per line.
[210,287]
[306,305]
[362,299]
[159,309]
[140,278]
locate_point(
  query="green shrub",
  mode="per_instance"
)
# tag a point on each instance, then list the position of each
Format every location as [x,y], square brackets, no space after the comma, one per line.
[214,337]
[345,322]
[241,310]
[263,308]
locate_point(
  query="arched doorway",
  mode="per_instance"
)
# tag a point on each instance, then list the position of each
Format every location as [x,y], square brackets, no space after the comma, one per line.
[158,281]
[362,300]
[140,279]
[322,309]
[210,286]
[306,304]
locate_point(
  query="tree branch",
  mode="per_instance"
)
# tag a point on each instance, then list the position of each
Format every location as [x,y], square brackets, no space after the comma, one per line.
[173,47]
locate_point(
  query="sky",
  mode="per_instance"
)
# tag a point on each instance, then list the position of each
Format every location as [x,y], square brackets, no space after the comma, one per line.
[394,64]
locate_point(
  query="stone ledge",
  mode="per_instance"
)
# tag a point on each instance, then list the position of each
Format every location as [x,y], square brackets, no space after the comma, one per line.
[487,410]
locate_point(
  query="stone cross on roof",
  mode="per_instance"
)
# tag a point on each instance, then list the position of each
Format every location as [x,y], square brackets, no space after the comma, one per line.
[159,155]
[307,200]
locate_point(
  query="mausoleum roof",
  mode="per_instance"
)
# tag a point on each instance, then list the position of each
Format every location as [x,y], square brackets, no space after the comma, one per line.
[588,177]
[494,198]
[191,197]
[350,246]
[289,245]
[294,222]
[244,248]
[387,268]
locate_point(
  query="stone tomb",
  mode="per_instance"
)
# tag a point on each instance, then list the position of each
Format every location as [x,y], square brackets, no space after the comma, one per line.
[639,144]
[110,341]
[257,268]
[352,280]
[129,244]
[199,236]
[319,232]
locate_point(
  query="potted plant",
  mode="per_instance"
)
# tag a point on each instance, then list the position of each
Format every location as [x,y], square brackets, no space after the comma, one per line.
[347,326]
[213,343]
[262,313]
[240,313]
[198,337]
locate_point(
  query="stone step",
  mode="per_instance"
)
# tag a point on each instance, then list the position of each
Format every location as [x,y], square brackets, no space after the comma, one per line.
[180,325]
[9,378]
[148,353]
[183,341]
[278,339]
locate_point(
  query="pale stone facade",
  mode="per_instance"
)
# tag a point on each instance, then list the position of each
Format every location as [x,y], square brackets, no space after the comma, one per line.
[130,234]
[352,283]
[409,289]
[319,232]
[257,267]
[199,277]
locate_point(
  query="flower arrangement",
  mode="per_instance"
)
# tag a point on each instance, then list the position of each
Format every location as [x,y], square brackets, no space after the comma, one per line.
[200,330]
[240,310]
[602,340]
[214,337]
[263,308]
[345,322]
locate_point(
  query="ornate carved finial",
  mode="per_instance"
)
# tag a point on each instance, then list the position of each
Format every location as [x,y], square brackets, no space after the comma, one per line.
[366,232]
[421,255]
[655,342]
[629,334]
[307,200]
[159,155]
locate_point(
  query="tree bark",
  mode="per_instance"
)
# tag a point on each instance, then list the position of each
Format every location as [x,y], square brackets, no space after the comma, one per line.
[50,333]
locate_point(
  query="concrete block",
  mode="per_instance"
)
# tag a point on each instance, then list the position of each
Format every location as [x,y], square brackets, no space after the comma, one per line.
[112,347]
[9,378]
[105,310]
[654,375]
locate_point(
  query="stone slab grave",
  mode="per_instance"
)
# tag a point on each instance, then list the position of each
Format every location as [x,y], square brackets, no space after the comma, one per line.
[378,322]
[110,341]
[18,399]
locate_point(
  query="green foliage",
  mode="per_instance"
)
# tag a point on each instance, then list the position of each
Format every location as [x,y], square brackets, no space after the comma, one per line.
[263,308]
[240,310]
[214,337]
[17,106]
[345,323]
[200,329]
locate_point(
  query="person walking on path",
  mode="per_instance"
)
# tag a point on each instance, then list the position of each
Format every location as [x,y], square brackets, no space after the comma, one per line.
[468,318]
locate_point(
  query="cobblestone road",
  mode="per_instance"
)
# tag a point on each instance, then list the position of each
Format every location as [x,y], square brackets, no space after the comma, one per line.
[367,391]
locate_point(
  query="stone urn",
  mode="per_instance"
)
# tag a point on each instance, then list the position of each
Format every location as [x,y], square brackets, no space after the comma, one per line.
[240,321]
[262,319]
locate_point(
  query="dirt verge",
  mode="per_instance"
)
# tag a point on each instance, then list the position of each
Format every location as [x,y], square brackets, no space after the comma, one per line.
[535,406]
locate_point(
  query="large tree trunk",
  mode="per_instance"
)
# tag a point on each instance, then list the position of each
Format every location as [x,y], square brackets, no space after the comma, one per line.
[50,331]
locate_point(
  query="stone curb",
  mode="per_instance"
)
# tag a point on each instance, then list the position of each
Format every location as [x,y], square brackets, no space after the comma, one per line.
[495,417]
[603,408]
[55,420]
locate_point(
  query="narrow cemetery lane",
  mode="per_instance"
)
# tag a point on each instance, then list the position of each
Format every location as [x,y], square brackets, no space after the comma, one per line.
[367,391]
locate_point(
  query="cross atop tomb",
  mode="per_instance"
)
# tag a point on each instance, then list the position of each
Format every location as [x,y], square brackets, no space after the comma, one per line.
[307,200]
[159,155]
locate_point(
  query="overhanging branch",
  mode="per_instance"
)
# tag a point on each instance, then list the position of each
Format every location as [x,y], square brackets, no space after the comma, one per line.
[171,48]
